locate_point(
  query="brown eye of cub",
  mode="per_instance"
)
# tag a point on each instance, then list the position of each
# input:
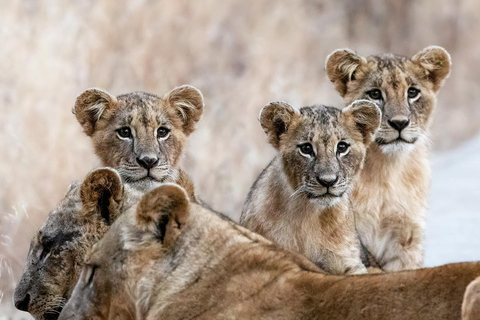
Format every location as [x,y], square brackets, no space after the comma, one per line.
[342,147]
[413,92]
[375,94]
[162,132]
[124,132]
[306,149]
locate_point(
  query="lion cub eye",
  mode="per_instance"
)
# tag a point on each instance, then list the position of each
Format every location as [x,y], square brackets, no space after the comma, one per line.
[412,92]
[306,149]
[162,132]
[124,132]
[342,147]
[375,94]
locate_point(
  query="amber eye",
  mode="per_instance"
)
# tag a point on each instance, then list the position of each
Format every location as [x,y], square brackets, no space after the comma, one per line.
[162,132]
[306,149]
[342,147]
[412,92]
[375,94]
[124,132]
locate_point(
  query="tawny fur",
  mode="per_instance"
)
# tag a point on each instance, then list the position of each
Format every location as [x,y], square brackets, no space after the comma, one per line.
[57,251]
[289,205]
[471,301]
[213,268]
[102,115]
[391,197]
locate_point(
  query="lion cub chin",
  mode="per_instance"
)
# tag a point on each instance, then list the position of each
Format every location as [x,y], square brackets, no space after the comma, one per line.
[390,200]
[140,134]
[301,199]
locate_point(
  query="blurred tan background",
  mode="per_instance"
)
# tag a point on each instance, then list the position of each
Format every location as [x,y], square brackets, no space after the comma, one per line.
[240,54]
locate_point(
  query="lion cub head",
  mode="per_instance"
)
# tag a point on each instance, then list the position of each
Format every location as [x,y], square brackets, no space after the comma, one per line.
[140,134]
[56,253]
[322,148]
[404,89]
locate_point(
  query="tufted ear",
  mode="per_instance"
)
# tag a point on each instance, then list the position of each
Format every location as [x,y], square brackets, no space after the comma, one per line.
[341,66]
[164,211]
[90,106]
[365,116]
[188,103]
[101,193]
[276,118]
[436,63]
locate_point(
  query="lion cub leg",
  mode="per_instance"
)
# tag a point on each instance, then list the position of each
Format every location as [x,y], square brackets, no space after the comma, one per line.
[402,244]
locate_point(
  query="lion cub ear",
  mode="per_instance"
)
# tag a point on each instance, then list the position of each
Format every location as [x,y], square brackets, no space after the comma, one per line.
[90,106]
[188,103]
[164,211]
[436,63]
[341,66]
[365,116]
[276,118]
[101,193]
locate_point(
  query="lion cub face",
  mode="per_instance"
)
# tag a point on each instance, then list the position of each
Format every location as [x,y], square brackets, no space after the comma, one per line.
[322,148]
[404,89]
[57,251]
[139,134]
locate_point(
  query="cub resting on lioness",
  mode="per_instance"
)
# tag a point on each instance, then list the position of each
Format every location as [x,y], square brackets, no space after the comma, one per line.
[57,251]
[171,259]
[390,199]
[301,200]
[140,134]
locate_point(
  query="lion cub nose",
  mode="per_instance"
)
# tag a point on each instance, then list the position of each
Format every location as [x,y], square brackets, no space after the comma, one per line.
[399,122]
[22,303]
[147,162]
[327,180]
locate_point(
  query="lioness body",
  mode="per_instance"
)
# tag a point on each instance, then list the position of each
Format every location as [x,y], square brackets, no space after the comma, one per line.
[300,200]
[391,197]
[172,260]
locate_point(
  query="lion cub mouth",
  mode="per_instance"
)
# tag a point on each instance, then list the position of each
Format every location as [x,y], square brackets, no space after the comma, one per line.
[398,140]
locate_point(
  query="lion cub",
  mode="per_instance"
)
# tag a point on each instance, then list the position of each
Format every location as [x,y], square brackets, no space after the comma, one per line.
[56,252]
[391,198]
[301,199]
[140,134]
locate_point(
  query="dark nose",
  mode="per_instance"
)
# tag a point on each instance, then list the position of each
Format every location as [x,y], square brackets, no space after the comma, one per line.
[327,180]
[22,303]
[147,162]
[399,123]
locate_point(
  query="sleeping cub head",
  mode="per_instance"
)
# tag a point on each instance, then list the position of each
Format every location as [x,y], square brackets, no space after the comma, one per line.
[322,149]
[140,134]
[56,252]
[404,89]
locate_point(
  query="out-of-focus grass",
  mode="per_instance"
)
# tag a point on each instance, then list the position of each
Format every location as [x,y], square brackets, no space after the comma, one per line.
[241,54]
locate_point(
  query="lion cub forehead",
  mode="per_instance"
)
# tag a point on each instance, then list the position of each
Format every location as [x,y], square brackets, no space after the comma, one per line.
[142,109]
[321,121]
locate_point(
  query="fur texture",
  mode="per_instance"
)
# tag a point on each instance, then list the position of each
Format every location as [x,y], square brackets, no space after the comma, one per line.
[291,202]
[140,134]
[215,269]
[56,252]
[390,199]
